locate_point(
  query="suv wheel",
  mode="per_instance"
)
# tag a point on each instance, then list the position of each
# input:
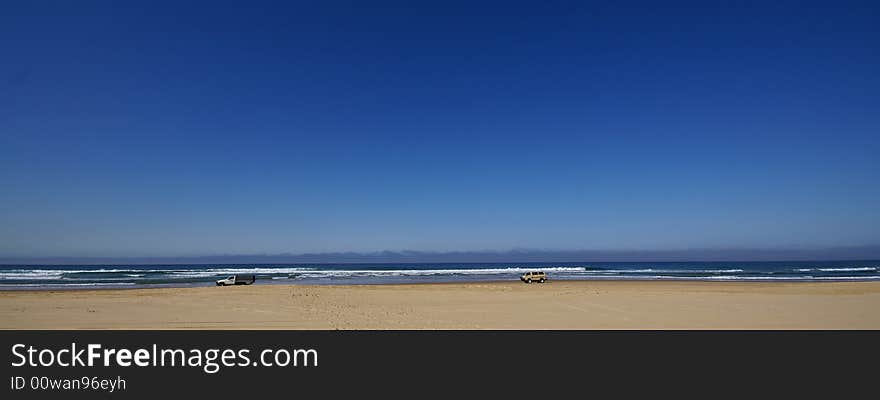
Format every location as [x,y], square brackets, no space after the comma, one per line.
[528,281]
[542,280]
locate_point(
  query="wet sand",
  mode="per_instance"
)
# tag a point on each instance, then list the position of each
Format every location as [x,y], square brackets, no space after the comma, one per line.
[494,305]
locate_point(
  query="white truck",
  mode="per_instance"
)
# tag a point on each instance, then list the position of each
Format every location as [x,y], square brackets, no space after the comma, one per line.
[237,280]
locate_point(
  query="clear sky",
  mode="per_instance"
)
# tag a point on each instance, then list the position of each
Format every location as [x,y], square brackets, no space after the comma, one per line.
[172,129]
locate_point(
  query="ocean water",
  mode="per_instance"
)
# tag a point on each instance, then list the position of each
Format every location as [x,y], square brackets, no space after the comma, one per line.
[14,277]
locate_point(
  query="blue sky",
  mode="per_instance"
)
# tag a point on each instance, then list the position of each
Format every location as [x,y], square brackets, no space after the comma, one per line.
[163,129]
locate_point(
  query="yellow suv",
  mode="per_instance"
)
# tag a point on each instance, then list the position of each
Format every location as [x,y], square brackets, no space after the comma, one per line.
[533,276]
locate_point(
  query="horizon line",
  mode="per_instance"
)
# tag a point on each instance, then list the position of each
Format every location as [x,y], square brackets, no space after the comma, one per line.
[838,253]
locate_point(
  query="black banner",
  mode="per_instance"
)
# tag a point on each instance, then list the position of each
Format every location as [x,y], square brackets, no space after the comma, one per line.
[414,364]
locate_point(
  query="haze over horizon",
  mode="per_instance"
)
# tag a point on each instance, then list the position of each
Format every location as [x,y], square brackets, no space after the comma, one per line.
[168,130]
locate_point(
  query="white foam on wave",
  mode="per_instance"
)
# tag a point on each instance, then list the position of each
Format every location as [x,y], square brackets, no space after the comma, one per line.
[31,274]
[41,285]
[668,271]
[209,272]
[849,269]
[36,274]
[427,272]
[840,269]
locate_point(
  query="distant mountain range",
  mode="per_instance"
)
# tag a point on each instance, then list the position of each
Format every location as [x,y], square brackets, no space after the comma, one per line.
[519,255]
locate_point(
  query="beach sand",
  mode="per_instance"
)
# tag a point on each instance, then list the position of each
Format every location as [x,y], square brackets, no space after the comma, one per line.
[494,305]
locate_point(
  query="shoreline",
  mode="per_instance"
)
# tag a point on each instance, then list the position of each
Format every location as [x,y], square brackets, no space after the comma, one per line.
[77,277]
[621,304]
[462,282]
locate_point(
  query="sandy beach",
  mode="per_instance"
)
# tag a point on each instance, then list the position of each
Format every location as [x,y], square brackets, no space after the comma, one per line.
[495,305]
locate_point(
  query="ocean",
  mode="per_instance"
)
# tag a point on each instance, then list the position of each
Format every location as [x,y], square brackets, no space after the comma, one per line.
[13,277]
